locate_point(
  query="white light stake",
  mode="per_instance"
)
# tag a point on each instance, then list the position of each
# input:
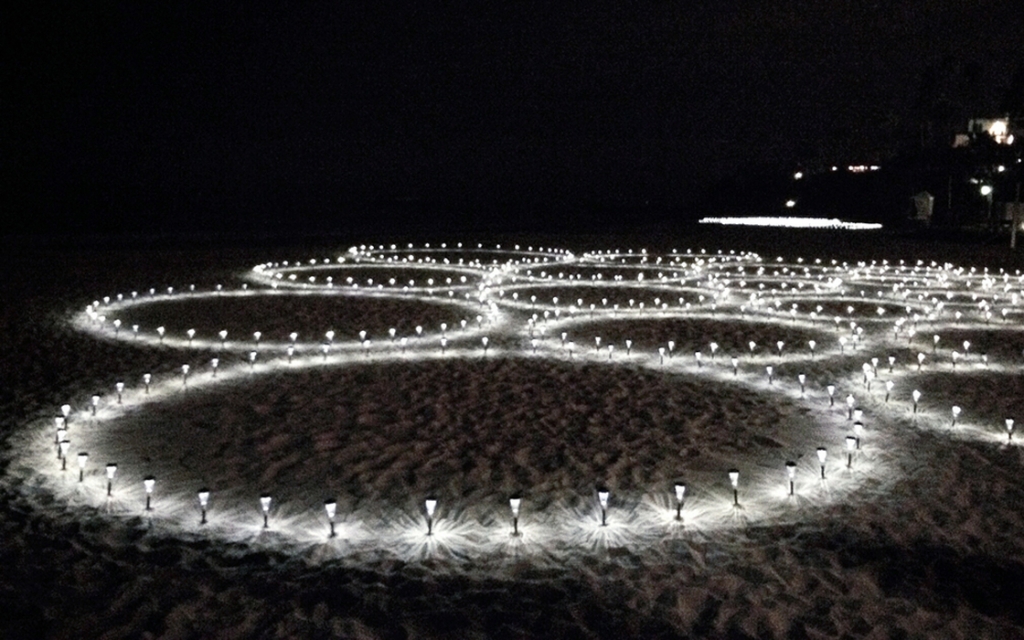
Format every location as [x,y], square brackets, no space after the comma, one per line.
[444,344]
[769,370]
[95,401]
[184,375]
[325,348]
[431,505]
[779,345]
[671,347]
[83,457]
[661,355]
[161,331]
[330,336]
[65,444]
[191,333]
[602,498]
[214,363]
[331,507]
[111,471]
[699,357]
[223,337]
[889,384]
[831,394]
[892,361]
[916,395]
[485,340]
[812,344]
[204,500]
[514,504]
[119,387]
[735,366]
[734,480]
[146,379]
[858,432]
[611,349]
[403,343]
[680,495]
[1009,429]
[149,482]
[293,336]
[291,353]
[935,343]
[822,455]
[849,406]
[956,414]
[265,506]
[851,446]
[791,472]
[714,348]
[256,335]
[65,410]
[629,346]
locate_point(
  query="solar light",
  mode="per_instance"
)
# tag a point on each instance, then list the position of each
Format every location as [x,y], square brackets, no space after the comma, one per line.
[213,363]
[431,505]
[204,500]
[252,361]
[83,457]
[65,444]
[852,443]
[191,334]
[1009,429]
[735,366]
[291,353]
[265,506]
[791,472]
[223,337]
[293,336]
[514,504]
[444,344]
[849,406]
[661,355]
[161,331]
[325,348]
[920,360]
[812,344]
[768,370]
[889,384]
[831,394]
[485,340]
[858,432]
[95,401]
[680,494]
[629,346]
[916,395]
[802,379]
[184,375]
[822,455]
[602,498]
[892,361]
[146,378]
[734,480]
[331,507]
[149,482]
[65,410]
[935,343]
[256,335]
[714,347]
[956,414]
[119,388]
[111,470]
[780,344]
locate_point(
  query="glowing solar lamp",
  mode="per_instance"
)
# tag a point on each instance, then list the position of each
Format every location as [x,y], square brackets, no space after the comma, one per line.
[148,483]
[325,348]
[570,348]
[661,355]
[391,334]
[714,348]
[204,500]
[802,379]
[680,495]
[146,379]
[602,498]
[252,361]
[780,344]
[111,472]
[265,507]
[851,445]
[956,414]
[1009,429]
[117,328]
[444,328]
[629,346]
[223,333]
[331,508]
[858,432]
[191,333]
[812,344]
[769,371]
[671,348]
[849,406]
[65,410]
[293,336]
[485,340]
[822,456]
[889,384]
[514,503]
[95,402]
[431,506]
[791,473]
[419,331]
[735,366]
[161,331]
[564,336]
[734,480]
[699,357]
[597,343]
[83,457]
[892,361]
[954,356]
[290,351]
[444,344]
[935,343]
[184,375]
[330,336]
[403,343]
[256,335]
[65,444]
[752,345]
[213,363]
[874,366]
[916,395]
[119,388]
[842,345]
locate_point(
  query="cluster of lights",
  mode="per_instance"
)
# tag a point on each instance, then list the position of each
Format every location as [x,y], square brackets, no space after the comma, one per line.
[792,222]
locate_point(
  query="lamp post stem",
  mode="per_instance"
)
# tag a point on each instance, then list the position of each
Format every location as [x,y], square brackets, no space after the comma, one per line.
[791,487]
[822,472]
[679,511]
[849,460]
[736,497]
[430,526]
[147,503]
[332,529]
[265,524]
[81,475]
[203,519]
[515,526]
[110,486]
[604,513]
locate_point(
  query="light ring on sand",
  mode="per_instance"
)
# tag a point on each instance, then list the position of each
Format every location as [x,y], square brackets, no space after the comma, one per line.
[910,302]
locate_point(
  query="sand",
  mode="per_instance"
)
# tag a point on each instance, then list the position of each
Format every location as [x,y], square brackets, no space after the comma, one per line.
[916,533]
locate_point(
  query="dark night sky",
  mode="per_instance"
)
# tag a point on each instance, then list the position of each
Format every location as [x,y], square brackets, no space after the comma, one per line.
[117,116]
